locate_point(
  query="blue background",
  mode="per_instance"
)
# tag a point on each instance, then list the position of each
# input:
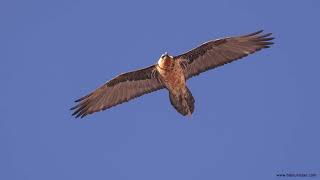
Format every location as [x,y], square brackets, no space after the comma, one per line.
[254,118]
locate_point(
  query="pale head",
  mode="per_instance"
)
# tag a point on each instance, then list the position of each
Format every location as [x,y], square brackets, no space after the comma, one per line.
[165,61]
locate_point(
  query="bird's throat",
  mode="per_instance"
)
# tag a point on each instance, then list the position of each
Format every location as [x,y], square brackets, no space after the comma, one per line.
[166,64]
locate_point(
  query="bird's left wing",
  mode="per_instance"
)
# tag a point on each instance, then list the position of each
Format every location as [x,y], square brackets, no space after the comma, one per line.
[121,89]
[218,52]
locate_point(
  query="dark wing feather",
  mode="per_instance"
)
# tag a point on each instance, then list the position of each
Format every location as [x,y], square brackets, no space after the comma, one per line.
[218,52]
[121,89]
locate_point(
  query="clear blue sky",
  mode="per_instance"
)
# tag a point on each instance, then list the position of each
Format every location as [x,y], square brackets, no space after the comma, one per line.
[254,118]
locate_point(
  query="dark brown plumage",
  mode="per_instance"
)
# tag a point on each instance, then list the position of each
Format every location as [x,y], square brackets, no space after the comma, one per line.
[222,51]
[171,73]
[118,90]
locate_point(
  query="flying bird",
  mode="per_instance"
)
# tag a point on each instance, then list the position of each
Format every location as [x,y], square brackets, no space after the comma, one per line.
[171,73]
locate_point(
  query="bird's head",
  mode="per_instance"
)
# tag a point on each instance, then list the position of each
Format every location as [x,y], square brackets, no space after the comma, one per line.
[165,61]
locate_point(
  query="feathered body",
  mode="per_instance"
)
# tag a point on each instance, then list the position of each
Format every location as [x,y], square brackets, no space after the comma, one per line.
[172,76]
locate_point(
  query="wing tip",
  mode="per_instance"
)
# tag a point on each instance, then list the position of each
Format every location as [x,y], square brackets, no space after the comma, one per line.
[79,115]
[254,33]
[82,98]
[79,110]
[264,40]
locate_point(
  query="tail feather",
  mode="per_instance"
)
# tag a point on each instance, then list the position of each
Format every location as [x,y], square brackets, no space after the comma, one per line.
[183,103]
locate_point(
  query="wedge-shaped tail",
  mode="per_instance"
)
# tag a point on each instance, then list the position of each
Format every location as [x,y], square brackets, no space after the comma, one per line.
[183,102]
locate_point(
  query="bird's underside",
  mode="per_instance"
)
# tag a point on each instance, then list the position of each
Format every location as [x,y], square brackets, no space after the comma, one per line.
[171,73]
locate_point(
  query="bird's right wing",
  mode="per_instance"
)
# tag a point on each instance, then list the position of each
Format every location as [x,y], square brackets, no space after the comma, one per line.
[121,89]
[218,52]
